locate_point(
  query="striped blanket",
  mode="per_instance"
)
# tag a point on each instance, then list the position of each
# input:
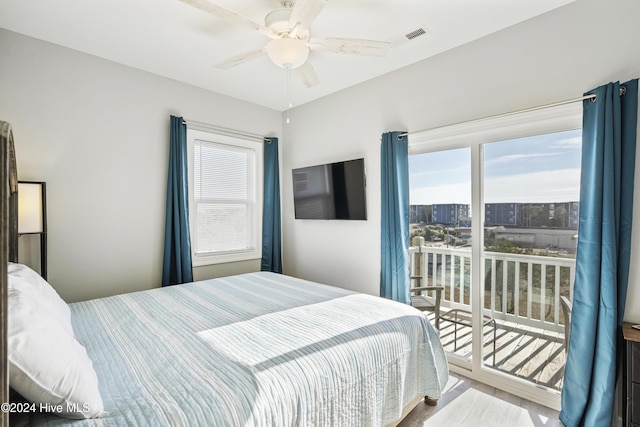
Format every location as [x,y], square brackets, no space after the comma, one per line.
[257,349]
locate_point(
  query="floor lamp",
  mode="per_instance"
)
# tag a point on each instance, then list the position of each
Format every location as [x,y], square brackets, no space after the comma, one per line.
[32,215]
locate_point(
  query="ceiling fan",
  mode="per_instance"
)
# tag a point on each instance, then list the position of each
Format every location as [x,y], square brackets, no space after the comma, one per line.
[288,29]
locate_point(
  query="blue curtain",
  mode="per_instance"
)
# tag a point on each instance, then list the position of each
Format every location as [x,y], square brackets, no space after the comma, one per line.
[394,270]
[271,235]
[176,267]
[602,260]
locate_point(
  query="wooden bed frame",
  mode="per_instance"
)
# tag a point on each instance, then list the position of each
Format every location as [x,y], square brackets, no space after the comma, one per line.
[8,246]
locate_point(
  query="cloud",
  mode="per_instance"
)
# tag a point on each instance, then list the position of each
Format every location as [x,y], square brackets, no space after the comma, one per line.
[435,176]
[574,142]
[441,194]
[543,186]
[510,158]
[541,168]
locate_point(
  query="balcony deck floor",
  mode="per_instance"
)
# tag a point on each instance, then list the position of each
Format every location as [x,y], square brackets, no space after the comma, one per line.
[530,353]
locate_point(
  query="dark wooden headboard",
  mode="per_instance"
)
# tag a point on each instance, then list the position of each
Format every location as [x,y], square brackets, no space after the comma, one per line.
[8,246]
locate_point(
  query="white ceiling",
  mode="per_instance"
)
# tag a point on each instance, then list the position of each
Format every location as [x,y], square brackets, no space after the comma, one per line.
[172,39]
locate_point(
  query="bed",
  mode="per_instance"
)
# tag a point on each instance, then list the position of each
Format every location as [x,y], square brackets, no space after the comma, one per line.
[258,349]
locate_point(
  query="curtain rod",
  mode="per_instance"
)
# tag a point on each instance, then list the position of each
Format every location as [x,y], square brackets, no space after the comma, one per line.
[591,97]
[225,131]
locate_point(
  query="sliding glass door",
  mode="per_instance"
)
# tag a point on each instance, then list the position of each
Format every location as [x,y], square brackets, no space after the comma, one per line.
[494,226]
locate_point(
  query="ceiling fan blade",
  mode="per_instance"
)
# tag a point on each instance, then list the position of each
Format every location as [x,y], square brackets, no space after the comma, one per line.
[308,74]
[242,58]
[350,46]
[304,12]
[229,15]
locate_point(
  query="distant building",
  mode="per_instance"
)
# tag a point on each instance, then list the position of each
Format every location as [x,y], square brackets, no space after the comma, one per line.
[552,239]
[507,214]
[420,214]
[563,215]
[450,213]
[464,222]
[574,214]
[550,215]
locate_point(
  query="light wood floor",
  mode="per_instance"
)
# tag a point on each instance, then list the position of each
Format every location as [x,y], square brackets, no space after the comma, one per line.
[469,403]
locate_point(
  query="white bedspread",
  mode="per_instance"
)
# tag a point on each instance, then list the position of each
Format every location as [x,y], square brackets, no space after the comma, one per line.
[258,349]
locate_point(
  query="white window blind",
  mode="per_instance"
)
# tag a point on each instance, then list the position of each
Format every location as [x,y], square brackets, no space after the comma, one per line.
[225,198]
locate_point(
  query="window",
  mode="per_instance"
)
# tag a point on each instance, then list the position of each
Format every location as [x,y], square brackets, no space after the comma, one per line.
[225,194]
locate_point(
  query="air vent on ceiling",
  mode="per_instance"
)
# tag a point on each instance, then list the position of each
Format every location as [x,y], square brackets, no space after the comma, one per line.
[415,33]
[410,35]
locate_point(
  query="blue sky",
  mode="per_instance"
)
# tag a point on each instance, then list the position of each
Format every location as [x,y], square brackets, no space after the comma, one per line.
[541,168]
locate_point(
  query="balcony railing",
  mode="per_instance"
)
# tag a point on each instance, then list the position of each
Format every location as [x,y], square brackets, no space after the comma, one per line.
[524,289]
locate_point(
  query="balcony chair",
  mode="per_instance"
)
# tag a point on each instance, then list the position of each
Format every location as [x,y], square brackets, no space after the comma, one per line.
[419,296]
[566,313]
[423,303]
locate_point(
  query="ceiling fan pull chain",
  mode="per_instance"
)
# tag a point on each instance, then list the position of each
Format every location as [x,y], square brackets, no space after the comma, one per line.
[289,105]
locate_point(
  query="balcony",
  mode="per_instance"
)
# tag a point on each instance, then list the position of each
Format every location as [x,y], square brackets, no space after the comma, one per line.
[521,293]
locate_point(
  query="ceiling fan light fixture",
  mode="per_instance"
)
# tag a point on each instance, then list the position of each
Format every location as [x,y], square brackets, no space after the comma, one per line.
[287,52]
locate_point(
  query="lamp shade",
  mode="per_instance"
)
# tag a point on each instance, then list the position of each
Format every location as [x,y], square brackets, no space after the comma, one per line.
[286,52]
[30,208]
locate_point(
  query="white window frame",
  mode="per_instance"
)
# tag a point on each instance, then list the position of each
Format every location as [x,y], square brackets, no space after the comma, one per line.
[194,135]
[473,135]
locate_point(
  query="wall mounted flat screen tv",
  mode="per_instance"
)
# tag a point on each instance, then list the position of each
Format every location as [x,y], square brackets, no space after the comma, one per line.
[331,191]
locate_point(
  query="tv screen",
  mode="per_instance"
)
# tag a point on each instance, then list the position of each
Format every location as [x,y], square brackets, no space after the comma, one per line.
[331,191]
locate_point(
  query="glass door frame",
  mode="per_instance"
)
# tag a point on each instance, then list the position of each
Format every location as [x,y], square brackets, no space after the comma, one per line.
[474,135]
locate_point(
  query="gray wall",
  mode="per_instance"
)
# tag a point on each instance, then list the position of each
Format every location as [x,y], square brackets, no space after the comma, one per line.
[553,57]
[97,133]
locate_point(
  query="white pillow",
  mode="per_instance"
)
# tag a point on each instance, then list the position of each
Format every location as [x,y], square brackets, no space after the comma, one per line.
[24,279]
[46,364]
